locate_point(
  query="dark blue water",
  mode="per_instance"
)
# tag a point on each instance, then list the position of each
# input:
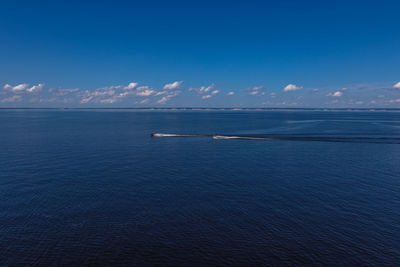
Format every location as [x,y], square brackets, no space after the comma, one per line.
[93,188]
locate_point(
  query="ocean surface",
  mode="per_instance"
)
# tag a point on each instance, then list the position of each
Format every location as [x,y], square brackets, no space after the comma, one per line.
[91,187]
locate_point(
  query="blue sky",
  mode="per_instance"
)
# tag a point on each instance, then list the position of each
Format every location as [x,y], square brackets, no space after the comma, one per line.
[200,53]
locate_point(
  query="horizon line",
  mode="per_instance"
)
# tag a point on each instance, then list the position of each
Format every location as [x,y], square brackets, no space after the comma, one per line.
[203,108]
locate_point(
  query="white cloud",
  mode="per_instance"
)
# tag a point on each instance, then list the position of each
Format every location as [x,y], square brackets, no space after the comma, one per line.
[108,100]
[172,86]
[63,92]
[161,93]
[116,93]
[163,100]
[337,94]
[144,101]
[86,100]
[143,87]
[35,88]
[23,87]
[397,85]
[102,92]
[124,94]
[292,87]
[203,89]
[130,86]
[359,102]
[213,93]
[231,93]
[256,88]
[207,89]
[146,92]
[11,99]
[18,88]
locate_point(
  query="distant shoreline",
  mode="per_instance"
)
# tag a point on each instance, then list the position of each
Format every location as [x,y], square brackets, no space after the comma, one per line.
[204,109]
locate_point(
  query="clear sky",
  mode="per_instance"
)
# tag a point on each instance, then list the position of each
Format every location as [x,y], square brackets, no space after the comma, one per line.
[200,53]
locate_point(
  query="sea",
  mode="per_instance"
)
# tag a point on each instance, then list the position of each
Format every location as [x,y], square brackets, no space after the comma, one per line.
[93,188]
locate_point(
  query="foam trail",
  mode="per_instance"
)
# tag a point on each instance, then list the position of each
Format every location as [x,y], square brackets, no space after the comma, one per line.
[241,137]
[180,135]
[353,139]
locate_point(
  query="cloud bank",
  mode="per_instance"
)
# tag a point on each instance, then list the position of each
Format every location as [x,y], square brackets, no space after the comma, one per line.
[133,93]
[105,95]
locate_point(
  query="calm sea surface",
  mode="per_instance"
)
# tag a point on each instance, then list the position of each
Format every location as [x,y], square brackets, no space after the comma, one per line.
[93,188]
